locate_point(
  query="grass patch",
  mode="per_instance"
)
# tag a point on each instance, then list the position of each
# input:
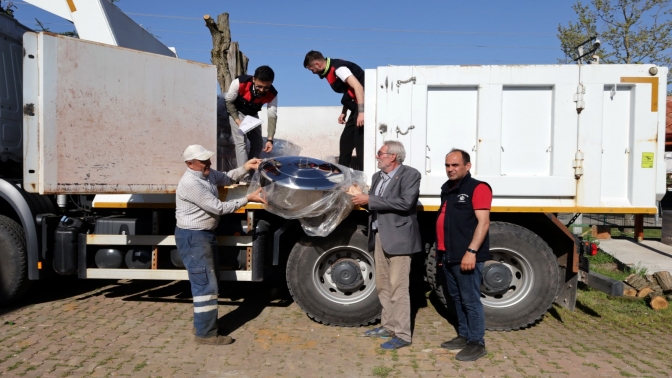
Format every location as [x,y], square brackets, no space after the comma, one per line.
[382,371]
[139,367]
[605,264]
[591,365]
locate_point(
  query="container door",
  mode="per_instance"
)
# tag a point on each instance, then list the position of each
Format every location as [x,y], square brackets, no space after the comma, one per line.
[517,123]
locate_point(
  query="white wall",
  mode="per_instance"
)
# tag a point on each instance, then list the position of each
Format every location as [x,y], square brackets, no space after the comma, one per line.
[313,128]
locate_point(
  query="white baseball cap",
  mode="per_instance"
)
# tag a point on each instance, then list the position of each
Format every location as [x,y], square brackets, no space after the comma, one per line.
[198,152]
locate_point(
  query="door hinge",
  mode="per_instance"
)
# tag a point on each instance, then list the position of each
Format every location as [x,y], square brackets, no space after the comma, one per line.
[578,165]
[578,98]
[29,109]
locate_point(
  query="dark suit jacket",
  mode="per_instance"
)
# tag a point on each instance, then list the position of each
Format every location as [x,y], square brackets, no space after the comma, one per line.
[396,207]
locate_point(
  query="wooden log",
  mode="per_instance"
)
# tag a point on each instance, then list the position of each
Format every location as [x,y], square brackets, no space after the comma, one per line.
[225,54]
[637,281]
[644,292]
[657,290]
[658,302]
[649,278]
[664,279]
[629,291]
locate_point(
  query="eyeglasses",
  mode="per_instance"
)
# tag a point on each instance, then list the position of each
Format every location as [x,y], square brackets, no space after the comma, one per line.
[262,87]
[383,153]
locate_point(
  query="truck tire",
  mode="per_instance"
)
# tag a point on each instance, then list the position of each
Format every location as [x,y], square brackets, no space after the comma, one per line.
[13,261]
[333,278]
[534,278]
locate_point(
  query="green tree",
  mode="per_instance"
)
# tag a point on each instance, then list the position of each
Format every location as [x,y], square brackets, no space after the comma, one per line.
[630,31]
[9,8]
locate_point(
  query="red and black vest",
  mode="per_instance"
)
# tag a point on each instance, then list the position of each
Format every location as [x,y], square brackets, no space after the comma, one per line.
[246,102]
[349,99]
[460,220]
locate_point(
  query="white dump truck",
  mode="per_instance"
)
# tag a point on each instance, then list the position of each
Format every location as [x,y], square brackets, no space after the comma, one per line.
[91,156]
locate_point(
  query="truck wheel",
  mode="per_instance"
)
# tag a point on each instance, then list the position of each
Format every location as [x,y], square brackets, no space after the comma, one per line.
[519,283]
[333,278]
[13,261]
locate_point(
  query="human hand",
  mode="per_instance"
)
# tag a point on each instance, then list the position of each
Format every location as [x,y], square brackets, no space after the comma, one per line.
[238,121]
[341,119]
[360,199]
[354,190]
[360,120]
[468,262]
[256,197]
[252,164]
[268,148]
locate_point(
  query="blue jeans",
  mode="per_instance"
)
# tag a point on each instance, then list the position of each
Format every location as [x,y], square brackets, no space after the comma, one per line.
[465,290]
[198,250]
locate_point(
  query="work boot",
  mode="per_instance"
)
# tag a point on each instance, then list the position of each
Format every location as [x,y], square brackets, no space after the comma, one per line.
[455,344]
[471,352]
[214,340]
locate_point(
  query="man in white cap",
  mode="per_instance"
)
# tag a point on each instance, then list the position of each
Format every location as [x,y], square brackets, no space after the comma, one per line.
[198,209]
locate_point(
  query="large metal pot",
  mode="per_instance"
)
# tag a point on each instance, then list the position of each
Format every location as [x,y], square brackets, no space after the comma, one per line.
[295,184]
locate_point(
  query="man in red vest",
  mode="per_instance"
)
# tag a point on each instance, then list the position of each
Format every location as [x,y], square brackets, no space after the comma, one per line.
[246,96]
[347,78]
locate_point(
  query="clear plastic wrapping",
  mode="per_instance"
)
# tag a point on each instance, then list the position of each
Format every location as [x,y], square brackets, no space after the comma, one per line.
[319,203]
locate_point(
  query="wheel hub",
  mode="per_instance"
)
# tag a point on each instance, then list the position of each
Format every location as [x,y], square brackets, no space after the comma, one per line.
[346,274]
[497,279]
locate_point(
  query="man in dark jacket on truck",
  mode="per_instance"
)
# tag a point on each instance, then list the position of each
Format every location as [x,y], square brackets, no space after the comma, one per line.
[245,97]
[463,246]
[347,78]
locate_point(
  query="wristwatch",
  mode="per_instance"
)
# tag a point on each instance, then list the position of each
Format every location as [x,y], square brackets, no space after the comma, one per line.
[472,250]
[269,140]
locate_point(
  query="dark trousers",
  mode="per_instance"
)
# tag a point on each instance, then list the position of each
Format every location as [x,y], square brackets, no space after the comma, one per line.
[352,138]
[198,250]
[465,290]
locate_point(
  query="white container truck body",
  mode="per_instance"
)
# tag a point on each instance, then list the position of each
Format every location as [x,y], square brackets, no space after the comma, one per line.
[112,122]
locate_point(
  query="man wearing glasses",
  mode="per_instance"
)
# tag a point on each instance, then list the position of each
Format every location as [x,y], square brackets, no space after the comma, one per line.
[198,209]
[246,96]
[394,236]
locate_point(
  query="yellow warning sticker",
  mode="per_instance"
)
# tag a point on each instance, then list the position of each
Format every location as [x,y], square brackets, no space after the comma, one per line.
[647,159]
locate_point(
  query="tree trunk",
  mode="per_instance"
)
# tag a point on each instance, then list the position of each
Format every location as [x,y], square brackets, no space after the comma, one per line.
[225,55]
[637,281]
[644,292]
[629,291]
[658,302]
[664,280]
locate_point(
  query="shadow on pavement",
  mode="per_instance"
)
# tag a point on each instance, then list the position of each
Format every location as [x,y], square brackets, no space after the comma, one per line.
[555,314]
[55,289]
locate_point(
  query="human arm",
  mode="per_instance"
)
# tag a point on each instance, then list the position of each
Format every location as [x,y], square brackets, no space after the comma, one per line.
[469,260]
[359,95]
[234,175]
[406,201]
[202,198]
[272,111]
[230,97]
[341,118]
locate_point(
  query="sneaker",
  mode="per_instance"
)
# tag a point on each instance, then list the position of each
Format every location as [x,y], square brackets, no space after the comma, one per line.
[214,340]
[457,343]
[378,332]
[395,343]
[472,352]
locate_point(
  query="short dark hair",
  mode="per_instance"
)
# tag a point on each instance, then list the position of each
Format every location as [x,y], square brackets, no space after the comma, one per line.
[311,56]
[264,73]
[465,155]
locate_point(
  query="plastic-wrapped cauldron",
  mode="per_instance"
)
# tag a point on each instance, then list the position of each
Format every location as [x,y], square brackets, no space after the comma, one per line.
[308,189]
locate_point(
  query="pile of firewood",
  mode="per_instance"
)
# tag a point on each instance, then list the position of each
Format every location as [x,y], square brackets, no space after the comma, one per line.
[655,288]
